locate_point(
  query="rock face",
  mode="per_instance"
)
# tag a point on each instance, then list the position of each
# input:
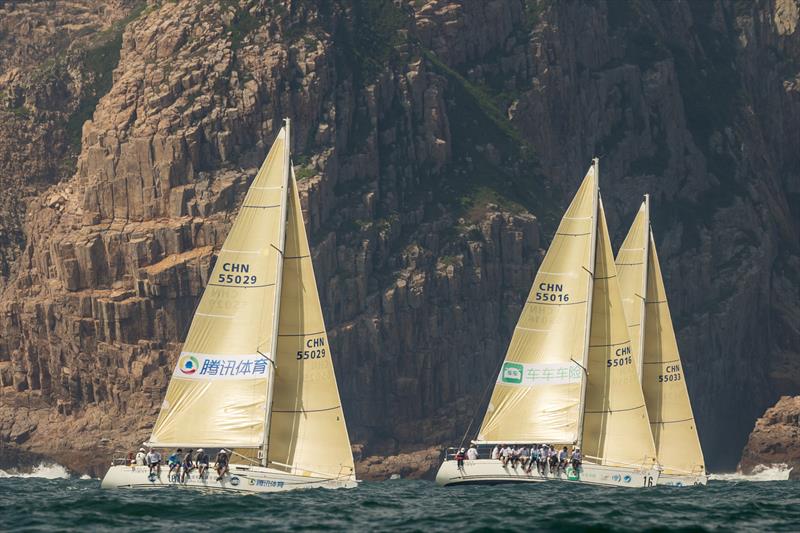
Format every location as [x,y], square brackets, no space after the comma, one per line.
[775,439]
[437,144]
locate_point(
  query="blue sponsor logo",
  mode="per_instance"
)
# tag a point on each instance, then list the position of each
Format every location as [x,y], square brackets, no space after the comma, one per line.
[627,479]
[234,481]
[152,477]
[269,483]
[616,477]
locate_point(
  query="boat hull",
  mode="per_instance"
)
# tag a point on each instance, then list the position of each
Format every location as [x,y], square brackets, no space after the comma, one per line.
[241,478]
[673,480]
[492,472]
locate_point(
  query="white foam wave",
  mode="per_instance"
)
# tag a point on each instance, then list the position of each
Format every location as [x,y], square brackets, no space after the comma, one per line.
[45,471]
[771,472]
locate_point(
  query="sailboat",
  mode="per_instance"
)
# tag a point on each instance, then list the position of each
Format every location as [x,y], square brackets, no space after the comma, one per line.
[568,377]
[255,376]
[658,361]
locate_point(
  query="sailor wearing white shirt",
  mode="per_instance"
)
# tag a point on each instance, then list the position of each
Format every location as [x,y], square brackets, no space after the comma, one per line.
[140,457]
[472,453]
[496,452]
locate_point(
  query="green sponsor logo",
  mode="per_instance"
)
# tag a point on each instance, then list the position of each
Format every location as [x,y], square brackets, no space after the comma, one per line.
[512,373]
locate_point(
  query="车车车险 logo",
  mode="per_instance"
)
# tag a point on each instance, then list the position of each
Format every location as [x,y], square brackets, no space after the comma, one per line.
[188,364]
[512,373]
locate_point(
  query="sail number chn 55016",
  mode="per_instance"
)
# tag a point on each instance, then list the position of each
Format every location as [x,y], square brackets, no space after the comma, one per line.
[551,292]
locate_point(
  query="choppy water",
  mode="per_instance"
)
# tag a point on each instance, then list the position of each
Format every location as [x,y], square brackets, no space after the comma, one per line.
[41,504]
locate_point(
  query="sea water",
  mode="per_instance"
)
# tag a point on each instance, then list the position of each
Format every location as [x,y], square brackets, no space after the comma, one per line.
[54,501]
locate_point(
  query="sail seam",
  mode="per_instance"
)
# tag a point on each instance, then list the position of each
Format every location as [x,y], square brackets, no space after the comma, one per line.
[605,277]
[297,256]
[630,264]
[671,421]
[307,410]
[215,316]
[261,206]
[300,334]
[562,303]
[573,234]
[607,345]
[615,410]
[662,362]
[656,302]
[241,286]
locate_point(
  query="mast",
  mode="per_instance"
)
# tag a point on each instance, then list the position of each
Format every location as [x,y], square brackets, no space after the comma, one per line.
[593,252]
[643,296]
[278,283]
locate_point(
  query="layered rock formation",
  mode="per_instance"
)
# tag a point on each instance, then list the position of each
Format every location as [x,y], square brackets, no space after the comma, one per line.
[437,143]
[775,440]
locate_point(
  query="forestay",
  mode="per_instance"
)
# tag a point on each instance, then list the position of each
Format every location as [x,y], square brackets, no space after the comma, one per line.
[616,430]
[217,396]
[537,394]
[307,428]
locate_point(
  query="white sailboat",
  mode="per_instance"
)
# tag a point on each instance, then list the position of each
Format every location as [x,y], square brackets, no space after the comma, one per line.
[658,360]
[568,377]
[255,375]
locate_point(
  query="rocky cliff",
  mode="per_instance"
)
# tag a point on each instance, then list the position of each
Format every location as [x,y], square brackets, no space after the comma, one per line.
[437,143]
[775,440]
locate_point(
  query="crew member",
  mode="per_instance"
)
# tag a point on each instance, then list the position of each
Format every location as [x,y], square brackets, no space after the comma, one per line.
[221,464]
[472,453]
[202,462]
[154,461]
[188,465]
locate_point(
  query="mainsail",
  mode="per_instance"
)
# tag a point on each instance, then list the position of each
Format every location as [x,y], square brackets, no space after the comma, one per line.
[668,405]
[615,430]
[307,432]
[632,275]
[538,391]
[218,393]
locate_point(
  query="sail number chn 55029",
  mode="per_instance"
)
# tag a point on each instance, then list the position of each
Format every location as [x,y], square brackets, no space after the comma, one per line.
[316,351]
[236,274]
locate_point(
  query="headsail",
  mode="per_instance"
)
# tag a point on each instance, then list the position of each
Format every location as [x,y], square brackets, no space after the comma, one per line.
[616,429]
[632,274]
[668,404]
[538,391]
[307,428]
[217,396]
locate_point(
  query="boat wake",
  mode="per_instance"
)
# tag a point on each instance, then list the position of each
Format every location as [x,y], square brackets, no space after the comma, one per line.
[44,471]
[772,472]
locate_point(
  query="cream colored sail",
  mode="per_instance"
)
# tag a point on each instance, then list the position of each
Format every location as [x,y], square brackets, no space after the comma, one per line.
[616,429]
[217,396]
[307,428]
[632,275]
[668,405]
[538,391]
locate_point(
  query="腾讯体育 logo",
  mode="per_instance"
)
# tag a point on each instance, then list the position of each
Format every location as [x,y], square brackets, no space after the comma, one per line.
[188,364]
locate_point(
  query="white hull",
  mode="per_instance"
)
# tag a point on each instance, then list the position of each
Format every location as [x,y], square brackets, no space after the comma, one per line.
[241,478]
[492,471]
[682,481]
